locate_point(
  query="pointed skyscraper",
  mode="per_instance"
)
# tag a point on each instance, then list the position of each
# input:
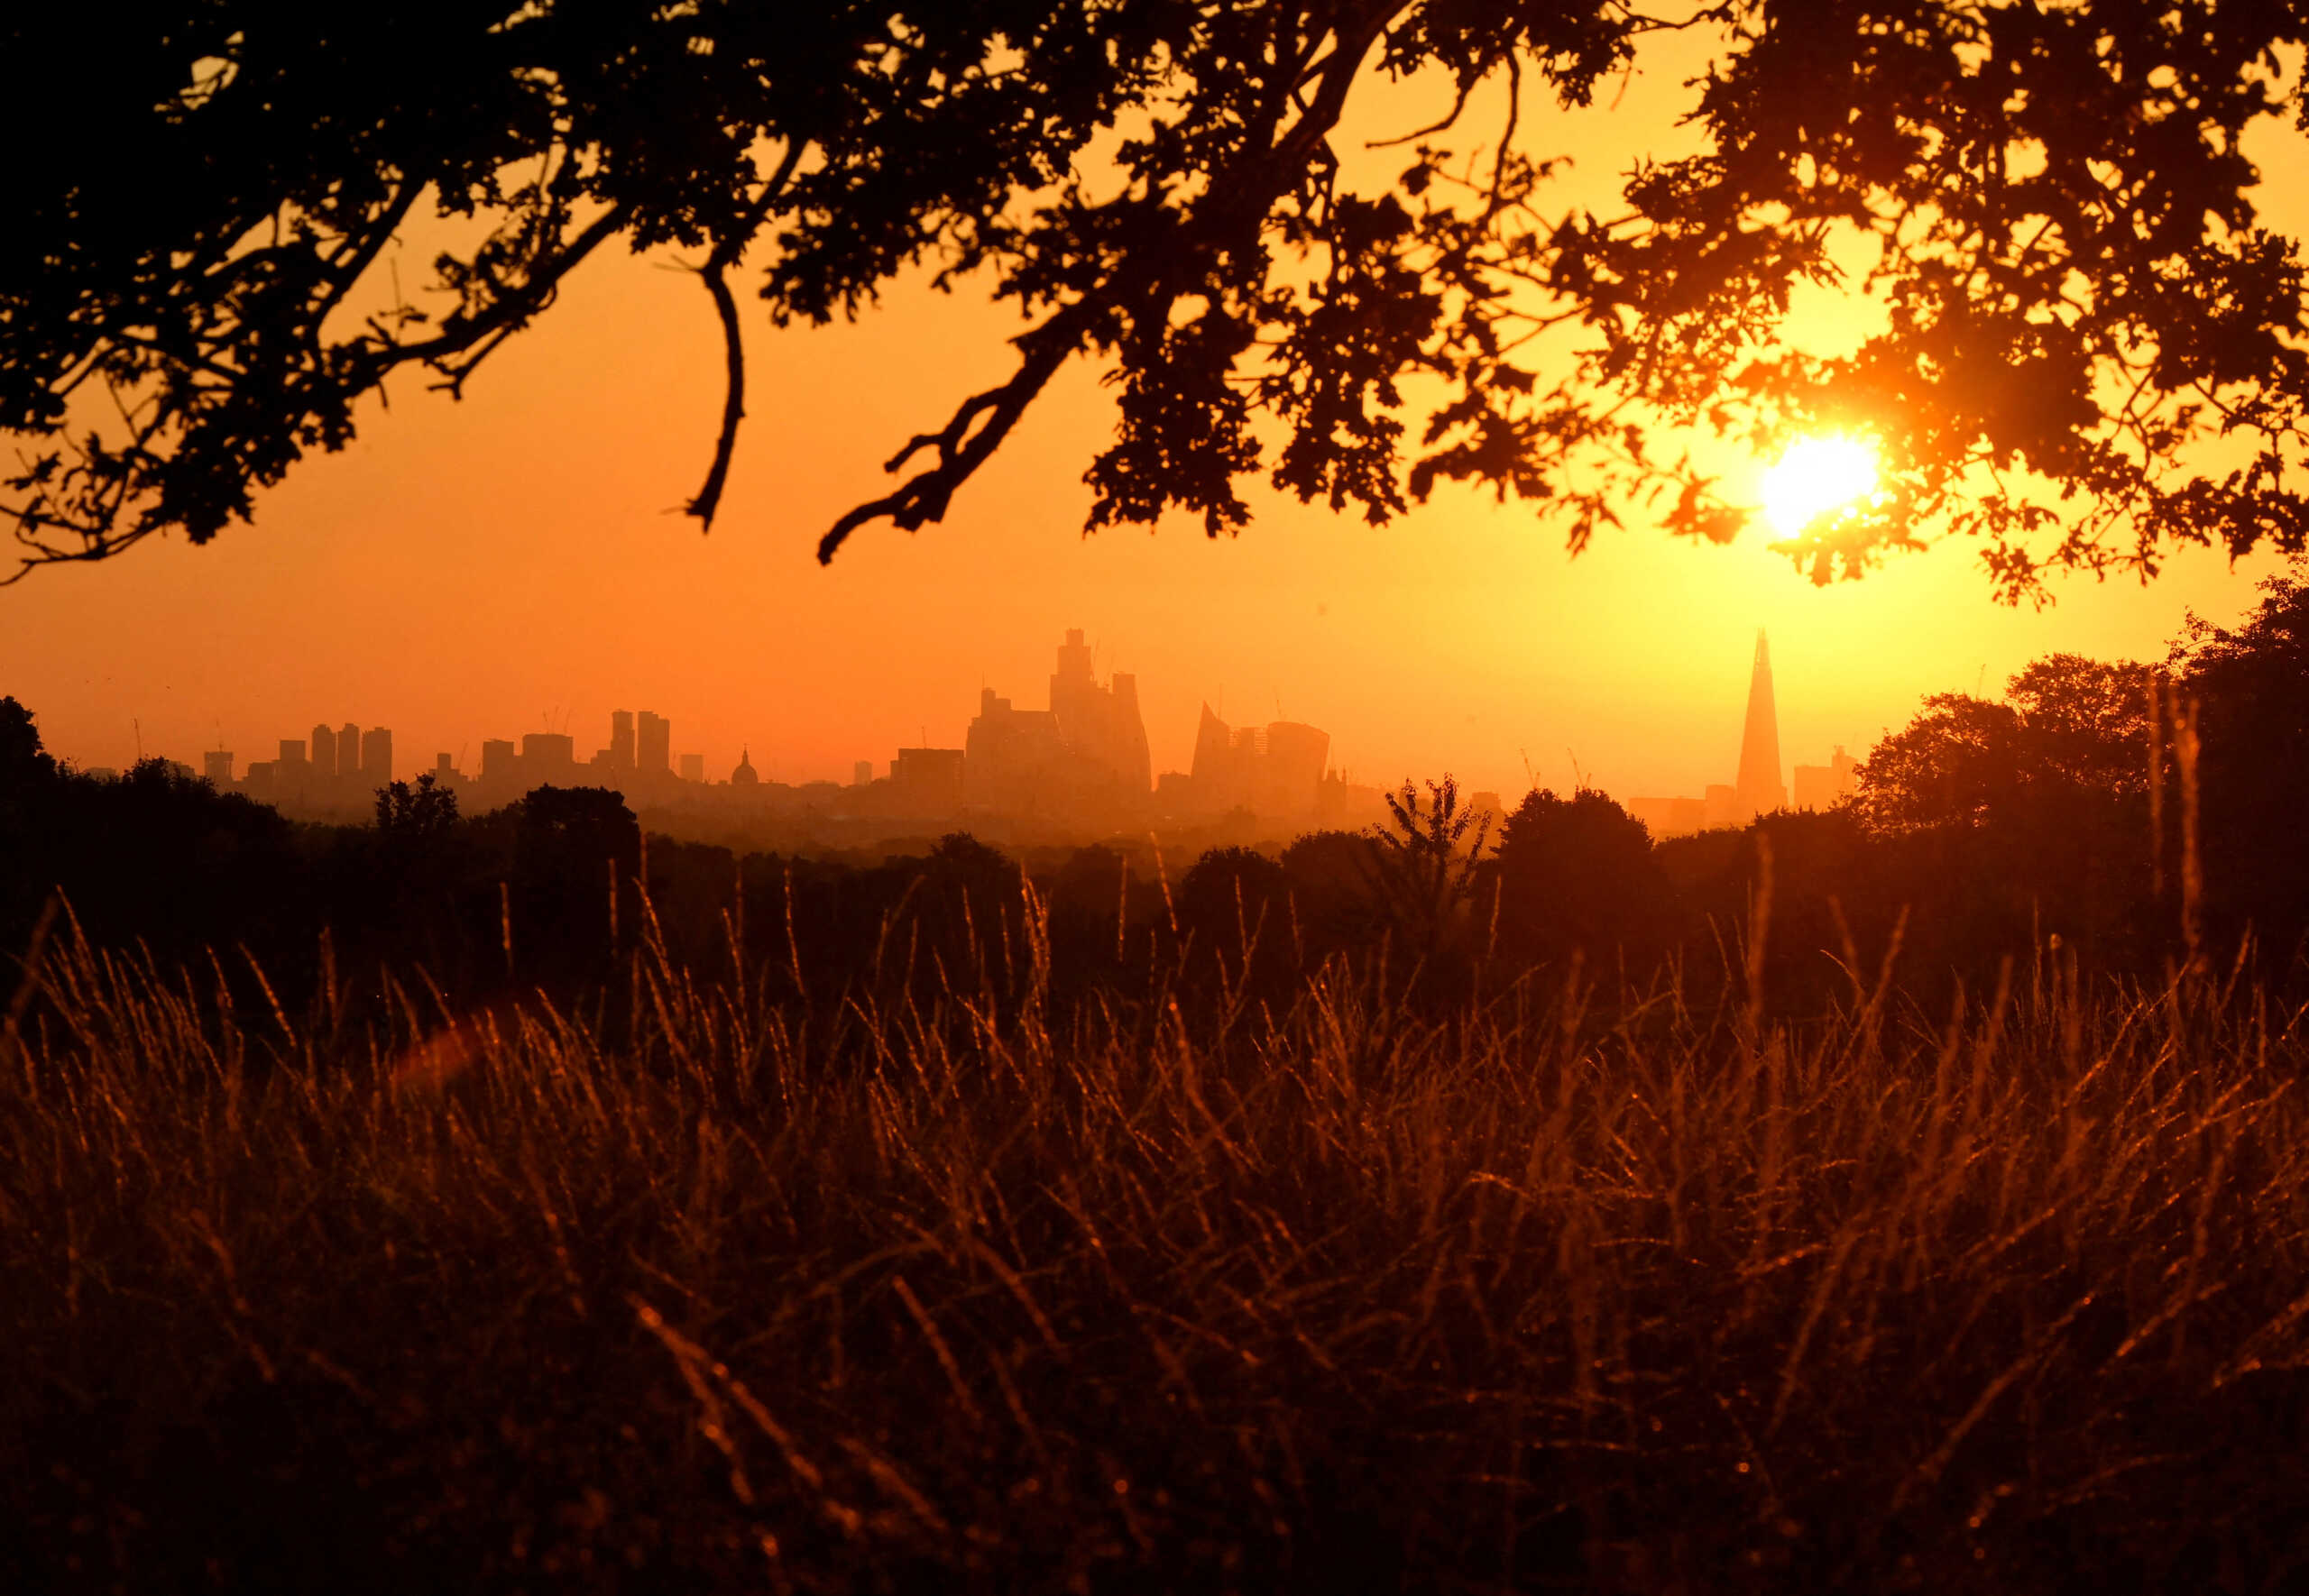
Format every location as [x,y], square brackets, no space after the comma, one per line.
[1760,788]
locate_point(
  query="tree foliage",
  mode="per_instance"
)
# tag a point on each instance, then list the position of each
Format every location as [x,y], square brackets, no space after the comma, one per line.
[2250,683]
[2067,725]
[2052,203]
[2077,788]
[1424,861]
[1576,874]
[417,814]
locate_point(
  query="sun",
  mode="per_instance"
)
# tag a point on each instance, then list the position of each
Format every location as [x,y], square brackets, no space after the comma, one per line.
[1816,477]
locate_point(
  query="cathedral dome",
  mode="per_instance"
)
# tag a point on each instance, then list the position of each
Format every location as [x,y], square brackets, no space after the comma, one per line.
[745,775]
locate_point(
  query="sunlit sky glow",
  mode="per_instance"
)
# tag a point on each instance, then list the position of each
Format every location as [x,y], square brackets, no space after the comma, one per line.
[487,567]
[1814,478]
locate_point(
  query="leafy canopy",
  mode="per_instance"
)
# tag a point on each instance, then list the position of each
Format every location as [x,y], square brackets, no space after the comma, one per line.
[2090,348]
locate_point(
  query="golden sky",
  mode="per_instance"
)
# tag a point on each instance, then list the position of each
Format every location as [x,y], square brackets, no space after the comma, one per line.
[486,568]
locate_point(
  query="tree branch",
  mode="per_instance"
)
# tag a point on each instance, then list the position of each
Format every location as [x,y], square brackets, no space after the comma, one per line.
[926,495]
[733,399]
[715,273]
[1266,169]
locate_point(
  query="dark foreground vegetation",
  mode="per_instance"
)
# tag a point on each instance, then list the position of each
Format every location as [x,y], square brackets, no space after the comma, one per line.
[1552,1289]
[1910,1198]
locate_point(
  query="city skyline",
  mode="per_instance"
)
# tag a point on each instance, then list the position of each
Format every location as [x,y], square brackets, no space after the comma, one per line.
[1082,760]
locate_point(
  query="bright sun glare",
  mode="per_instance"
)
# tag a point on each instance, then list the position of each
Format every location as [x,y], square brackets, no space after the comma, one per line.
[1815,477]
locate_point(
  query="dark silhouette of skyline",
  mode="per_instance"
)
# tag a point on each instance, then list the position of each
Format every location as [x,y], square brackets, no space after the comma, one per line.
[1079,764]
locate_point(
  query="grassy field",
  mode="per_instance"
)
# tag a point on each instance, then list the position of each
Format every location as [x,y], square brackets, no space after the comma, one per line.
[1554,1288]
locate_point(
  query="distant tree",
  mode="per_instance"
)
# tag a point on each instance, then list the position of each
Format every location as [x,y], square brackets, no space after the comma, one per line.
[2250,683]
[21,760]
[2067,724]
[961,923]
[2033,810]
[1571,874]
[1958,762]
[2055,202]
[1331,875]
[1234,906]
[419,814]
[2086,721]
[587,821]
[153,857]
[1089,886]
[1424,864]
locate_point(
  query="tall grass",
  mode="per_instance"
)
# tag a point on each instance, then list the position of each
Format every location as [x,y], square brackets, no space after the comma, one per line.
[1545,1291]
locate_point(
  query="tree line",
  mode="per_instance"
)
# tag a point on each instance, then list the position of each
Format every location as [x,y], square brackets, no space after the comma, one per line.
[2137,816]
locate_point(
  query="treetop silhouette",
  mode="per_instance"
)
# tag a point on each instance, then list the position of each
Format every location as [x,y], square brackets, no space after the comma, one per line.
[2074,279]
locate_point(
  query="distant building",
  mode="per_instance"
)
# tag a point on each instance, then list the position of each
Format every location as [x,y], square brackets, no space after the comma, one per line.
[653,744]
[1101,725]
[217,765]
[498,760]
[445,771]
[1757,789]
[861,773]
[928,781]
[1671,817]
[1274,770]
[1015,760]
[348,749]
[1824,786]
[323,755]
[693,768]
[292,752]
[1085,753]
[548,759]
[377,756]
[620,749]
[745,776]
[1284,780]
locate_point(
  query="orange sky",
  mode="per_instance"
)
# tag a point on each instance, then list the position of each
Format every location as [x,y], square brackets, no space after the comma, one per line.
[473,570]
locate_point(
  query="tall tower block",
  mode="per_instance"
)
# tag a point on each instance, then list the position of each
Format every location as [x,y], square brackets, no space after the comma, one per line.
[1760,788]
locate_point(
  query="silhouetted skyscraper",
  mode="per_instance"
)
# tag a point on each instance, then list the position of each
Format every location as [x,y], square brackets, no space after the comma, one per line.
[621,738]
[654,743]
[377,756]
[1276,769]
[1100,724]
[1017,758]
[324,754]
[218,766]
[928,780]
[497,758]
[348,749]
[1824,786]
[1760,788]
[548,759]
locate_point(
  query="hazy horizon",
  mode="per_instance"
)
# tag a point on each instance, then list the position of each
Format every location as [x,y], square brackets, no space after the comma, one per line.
[465,569]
